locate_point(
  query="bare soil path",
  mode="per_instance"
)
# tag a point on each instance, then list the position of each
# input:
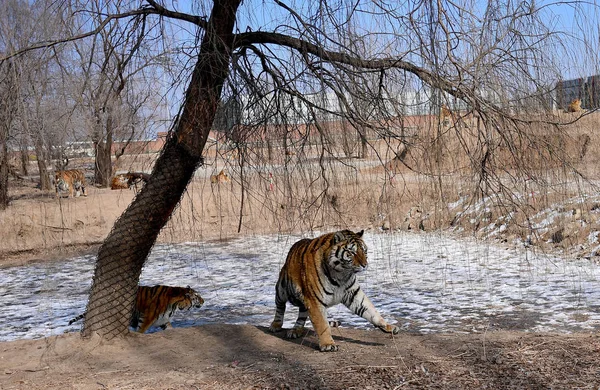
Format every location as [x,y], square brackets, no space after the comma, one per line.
[248,357]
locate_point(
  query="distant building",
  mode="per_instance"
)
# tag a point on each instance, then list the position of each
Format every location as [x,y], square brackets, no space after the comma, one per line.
[585,89]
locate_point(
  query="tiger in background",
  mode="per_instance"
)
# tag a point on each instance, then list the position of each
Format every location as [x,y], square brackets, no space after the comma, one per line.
[319,273]
[119,182]
[574,106]
[69,180]
[221,177]
[127,180]
[156,305]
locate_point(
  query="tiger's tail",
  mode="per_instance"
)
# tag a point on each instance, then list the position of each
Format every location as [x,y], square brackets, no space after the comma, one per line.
[74,320]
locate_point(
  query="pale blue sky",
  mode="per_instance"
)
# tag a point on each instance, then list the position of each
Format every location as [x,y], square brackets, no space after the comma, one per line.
[578,19]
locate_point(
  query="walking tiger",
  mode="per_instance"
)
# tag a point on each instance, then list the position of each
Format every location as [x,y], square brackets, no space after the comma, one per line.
[319,273]
[70,180]
[156,305]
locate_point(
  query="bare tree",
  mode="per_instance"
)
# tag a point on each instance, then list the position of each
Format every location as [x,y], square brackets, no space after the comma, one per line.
[110,63]
[9,76]
[421,54]
[13,35]
[31,100]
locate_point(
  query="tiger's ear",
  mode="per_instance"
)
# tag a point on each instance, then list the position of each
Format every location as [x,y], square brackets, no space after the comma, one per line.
[338,236]
[360,234]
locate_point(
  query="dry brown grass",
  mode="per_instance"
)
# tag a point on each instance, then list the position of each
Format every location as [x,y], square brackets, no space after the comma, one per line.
[394,187]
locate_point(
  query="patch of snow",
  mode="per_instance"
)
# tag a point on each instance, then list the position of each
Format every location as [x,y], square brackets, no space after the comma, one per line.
[427,282]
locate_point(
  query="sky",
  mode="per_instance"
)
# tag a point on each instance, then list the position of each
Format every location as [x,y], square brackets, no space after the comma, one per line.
[578,20]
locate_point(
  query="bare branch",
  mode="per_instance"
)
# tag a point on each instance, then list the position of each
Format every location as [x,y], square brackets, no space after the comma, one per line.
[155,9]
[302,46]
[97,30]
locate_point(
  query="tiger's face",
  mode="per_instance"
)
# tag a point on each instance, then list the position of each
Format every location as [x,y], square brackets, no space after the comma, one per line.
[348,253]
[192,299]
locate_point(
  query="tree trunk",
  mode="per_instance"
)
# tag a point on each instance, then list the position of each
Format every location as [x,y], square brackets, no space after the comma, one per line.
[3,170]
[24,160]
[103,165]
[42,155]
[123,253]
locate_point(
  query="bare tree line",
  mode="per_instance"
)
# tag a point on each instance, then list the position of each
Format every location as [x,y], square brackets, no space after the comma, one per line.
[90,91]
[501,62]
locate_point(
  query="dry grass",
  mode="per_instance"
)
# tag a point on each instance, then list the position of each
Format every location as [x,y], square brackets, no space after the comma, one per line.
[429,184]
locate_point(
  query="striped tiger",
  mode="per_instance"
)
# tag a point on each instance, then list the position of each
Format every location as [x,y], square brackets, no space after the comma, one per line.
[155,306]
[221,177]
[319,273]
[69,180]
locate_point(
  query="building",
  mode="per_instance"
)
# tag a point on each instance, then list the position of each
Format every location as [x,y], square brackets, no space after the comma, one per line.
[585,89]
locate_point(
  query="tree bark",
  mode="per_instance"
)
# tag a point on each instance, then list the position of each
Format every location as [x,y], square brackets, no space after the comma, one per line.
[123,253]
[42,158]
[3,171]
[103,165]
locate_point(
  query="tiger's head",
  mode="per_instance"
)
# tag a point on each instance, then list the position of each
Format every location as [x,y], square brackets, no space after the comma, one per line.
[348,253]
[192,299]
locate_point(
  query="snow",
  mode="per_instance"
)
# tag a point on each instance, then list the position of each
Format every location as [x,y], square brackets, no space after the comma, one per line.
[426,282]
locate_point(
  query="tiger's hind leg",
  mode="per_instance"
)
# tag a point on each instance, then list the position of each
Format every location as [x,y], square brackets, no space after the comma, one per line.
[298,329]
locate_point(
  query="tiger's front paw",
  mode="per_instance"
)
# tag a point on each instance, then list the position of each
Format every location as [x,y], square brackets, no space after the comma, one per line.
[275,326]
[328,348]
[390,329]
[295,333]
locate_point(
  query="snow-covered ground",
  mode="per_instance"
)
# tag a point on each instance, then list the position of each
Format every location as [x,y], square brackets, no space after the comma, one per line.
[424,282]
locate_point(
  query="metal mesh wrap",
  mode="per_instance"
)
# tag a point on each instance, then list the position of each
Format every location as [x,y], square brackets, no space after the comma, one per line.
[123,253]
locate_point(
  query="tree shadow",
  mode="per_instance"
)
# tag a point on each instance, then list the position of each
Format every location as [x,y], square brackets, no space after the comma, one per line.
[309,339]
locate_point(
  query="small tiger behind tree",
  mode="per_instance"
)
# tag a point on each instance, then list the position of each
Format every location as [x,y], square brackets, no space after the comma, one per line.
[319,273]
[127,180]
[156,305]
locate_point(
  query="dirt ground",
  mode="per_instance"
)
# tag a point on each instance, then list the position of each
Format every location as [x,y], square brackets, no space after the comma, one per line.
[39,227]
[249,357]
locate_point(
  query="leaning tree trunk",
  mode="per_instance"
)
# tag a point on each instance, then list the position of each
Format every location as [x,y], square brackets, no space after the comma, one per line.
[123,253]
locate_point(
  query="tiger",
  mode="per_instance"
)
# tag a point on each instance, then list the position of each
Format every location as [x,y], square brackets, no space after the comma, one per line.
[69,180]
[127,180]
[319,273]
[119,182]
[574,106]
[156,305]
[445,114]
[221,177]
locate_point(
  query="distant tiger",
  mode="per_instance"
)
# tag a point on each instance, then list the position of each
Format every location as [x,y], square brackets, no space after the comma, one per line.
[155,306]
[128,180]
[574,106]
[70,180]
[319,273]
[221,177]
